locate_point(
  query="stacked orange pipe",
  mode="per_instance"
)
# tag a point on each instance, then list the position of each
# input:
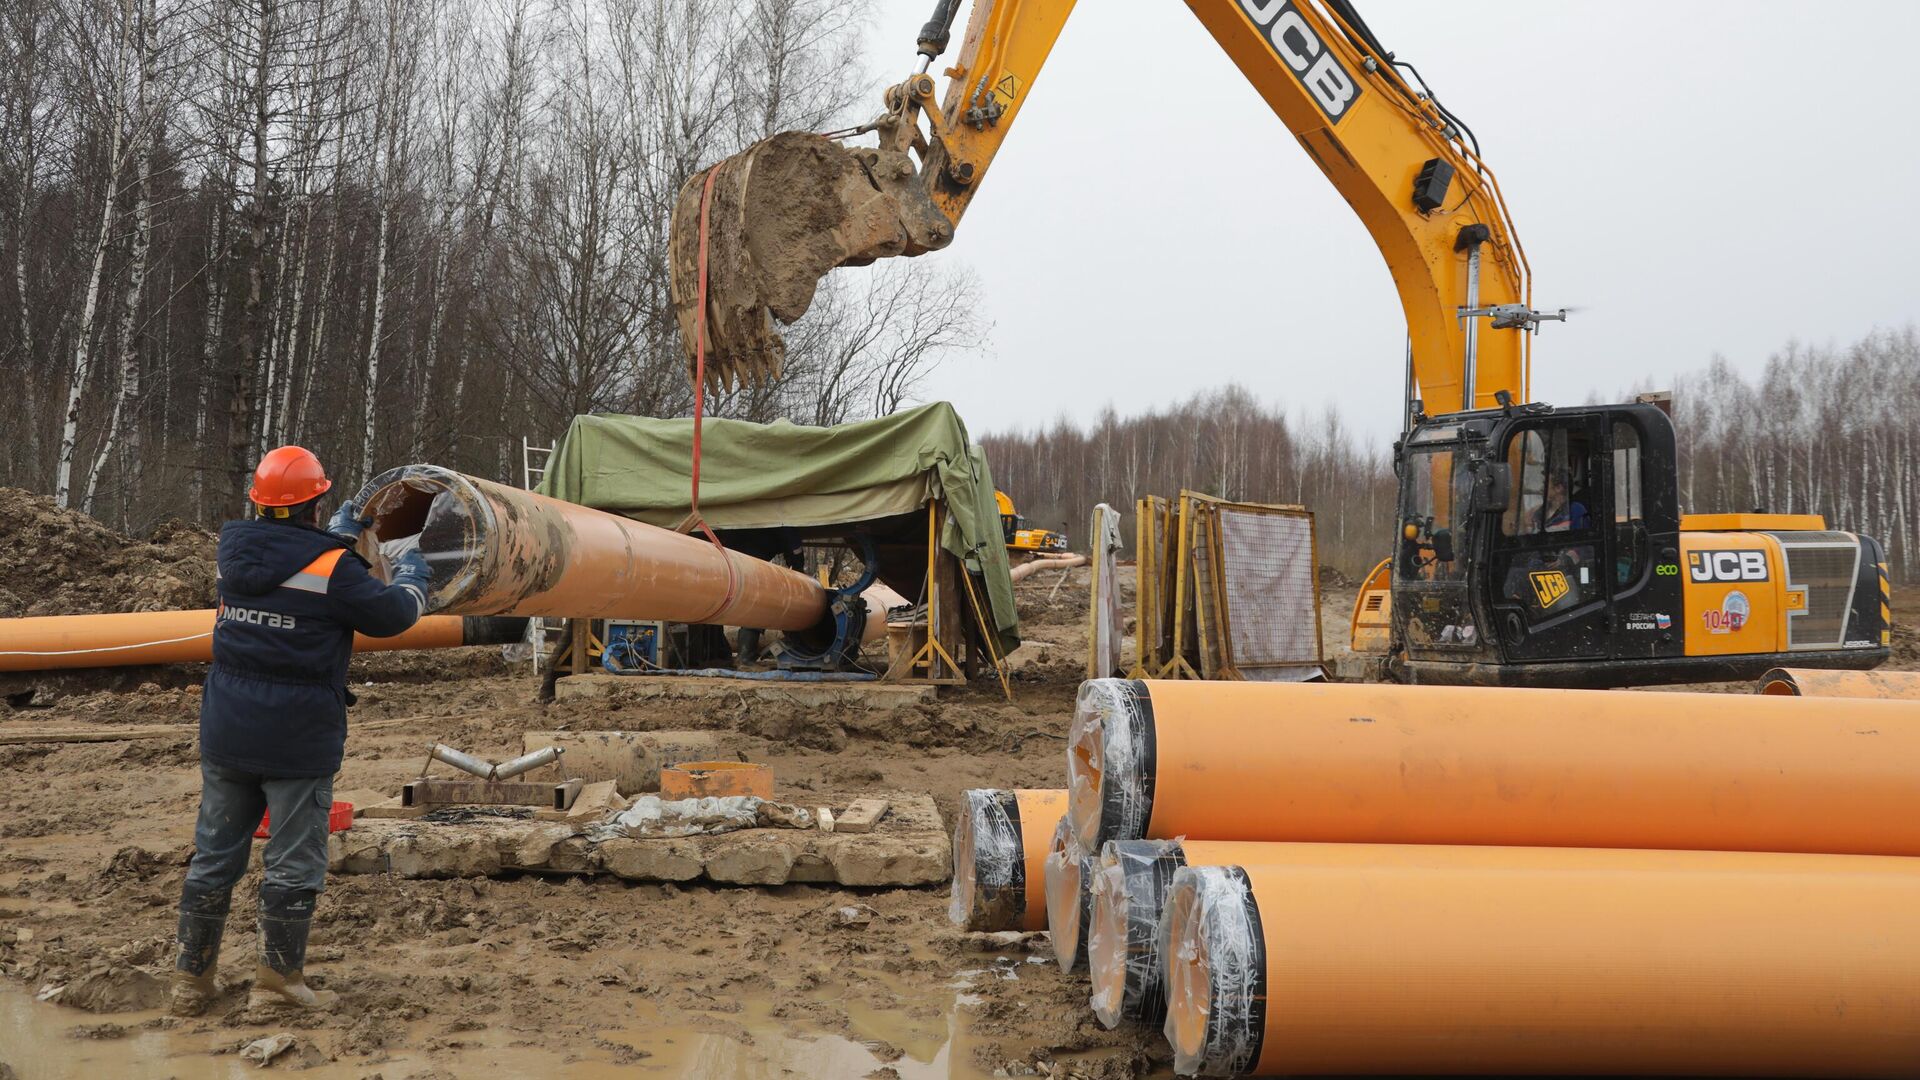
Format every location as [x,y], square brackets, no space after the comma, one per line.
[60,642]
[1813,682]
[1370,959]
[1127,894]
[1348,763]
[1000,847]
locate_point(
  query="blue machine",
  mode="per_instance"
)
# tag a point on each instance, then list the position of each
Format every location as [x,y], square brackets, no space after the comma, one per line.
[849,613]
[632,647]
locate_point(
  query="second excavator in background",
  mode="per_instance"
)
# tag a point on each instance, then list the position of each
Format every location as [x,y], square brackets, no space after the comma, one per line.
[1534,545]
[1022,540]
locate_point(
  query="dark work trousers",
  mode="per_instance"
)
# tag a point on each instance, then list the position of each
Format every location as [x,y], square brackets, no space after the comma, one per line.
[231,803]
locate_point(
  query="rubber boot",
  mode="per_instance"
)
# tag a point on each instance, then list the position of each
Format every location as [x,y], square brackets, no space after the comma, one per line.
[286,917]
[203,921]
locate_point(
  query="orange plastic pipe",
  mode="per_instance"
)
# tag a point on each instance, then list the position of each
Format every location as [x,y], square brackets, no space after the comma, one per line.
[496,550]
[1367,959]
[56,642]
[999,858]
[1813,682]
[1126,895]
[1067,869]
[1362,763]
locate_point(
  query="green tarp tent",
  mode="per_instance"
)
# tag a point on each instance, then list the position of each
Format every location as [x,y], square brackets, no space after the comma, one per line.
[782,475]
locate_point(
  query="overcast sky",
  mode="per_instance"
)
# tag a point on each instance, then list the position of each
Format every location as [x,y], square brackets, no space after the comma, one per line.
[1699,177]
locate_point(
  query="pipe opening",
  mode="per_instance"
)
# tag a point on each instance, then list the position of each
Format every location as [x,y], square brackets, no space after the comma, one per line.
[1106,943]
[429,509]
[1216,972]
[1067,910]
[1110,762]
[1129,893]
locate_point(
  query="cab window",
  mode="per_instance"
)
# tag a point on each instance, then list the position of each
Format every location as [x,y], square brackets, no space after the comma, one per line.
[1553,483]
[1629,515]
[1437,500]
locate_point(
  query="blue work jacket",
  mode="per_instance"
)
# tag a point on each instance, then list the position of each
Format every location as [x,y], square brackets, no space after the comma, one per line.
[291,598]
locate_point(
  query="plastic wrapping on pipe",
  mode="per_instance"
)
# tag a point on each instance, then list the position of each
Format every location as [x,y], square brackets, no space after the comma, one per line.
[1813,682]
[1130,883]
[1393,959]
[1129,887]
[1216,975]
[61,642]
[999,853]
[1354,763]
[1108,790]
[496,550]
[1068,868]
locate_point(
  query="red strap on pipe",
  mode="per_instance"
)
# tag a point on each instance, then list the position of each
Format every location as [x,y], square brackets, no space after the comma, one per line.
[699,397]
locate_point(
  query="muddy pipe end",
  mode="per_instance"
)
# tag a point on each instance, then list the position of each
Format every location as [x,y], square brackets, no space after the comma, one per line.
[989,863]
[441,513]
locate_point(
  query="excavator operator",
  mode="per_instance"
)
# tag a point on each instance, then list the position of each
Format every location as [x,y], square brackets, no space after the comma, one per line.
[273,719]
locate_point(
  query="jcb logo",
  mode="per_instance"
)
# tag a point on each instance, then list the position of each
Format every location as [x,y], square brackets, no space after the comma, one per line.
[1549,586]
[1707,566]
[1311,62]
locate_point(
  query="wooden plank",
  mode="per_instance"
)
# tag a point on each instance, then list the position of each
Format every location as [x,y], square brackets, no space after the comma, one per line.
[861,815]
[392,808]
[360,798]
[97,735]
[595,799]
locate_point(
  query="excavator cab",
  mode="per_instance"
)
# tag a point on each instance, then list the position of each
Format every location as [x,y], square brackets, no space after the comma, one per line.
[1544,546]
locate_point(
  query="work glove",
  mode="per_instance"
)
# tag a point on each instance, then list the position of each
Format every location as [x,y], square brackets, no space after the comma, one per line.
[346,522]
[410,573]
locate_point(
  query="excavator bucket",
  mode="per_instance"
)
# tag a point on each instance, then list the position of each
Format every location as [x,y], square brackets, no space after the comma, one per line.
[779,215]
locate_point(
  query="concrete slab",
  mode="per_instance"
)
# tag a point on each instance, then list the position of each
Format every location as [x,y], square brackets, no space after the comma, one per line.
[907,847]
[863,695]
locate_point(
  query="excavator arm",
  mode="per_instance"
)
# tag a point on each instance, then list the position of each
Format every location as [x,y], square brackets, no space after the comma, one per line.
[772,220]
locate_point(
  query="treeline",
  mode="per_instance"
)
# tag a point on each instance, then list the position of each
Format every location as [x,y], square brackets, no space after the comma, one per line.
[393,230]
[1222,442]
[1822,430]
[1832,431]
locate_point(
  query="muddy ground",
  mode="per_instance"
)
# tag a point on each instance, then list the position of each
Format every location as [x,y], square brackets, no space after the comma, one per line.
[530,975]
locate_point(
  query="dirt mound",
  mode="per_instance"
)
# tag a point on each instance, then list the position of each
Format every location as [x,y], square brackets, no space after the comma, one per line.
[62,562]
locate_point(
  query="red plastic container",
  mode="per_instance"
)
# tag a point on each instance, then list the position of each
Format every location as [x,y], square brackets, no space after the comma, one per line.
[339,819]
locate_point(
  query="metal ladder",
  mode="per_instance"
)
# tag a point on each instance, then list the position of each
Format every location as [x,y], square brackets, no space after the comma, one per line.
[531,475]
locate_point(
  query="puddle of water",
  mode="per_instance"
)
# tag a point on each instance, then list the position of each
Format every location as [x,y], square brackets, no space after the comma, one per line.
[34,1042]
[930,1047]
[748,1045]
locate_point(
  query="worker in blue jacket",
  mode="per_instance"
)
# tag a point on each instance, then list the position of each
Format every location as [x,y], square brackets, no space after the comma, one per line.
[273,719]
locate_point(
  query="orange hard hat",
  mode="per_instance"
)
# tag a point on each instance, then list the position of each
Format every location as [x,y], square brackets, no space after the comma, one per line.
[288,476]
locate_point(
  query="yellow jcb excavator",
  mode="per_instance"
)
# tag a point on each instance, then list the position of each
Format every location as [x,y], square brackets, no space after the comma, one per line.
[1020,539]
[1534,545]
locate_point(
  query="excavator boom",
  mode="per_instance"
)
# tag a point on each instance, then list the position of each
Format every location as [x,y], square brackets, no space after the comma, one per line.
[774,219]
